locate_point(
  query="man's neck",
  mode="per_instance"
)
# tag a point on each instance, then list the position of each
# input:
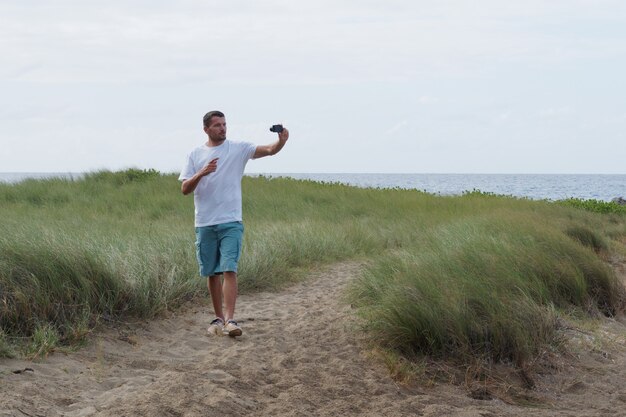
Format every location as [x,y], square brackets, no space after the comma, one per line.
[213,143]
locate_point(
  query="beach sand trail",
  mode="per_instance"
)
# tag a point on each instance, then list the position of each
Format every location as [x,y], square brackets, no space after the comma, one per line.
[300,355]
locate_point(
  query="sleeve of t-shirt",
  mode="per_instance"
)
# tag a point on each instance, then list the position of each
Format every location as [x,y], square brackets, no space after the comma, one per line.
[188,170]
[248,150]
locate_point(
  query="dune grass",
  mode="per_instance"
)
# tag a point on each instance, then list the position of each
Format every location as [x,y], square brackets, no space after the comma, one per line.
[485,286]
[450,277]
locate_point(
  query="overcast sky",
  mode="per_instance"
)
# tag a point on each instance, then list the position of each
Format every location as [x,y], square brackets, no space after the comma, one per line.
[415,86]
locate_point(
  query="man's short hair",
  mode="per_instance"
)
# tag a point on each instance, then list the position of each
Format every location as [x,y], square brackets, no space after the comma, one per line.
[207,117]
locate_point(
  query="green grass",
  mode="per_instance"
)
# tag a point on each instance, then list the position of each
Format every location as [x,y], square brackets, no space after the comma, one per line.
[485,287]
[466,277]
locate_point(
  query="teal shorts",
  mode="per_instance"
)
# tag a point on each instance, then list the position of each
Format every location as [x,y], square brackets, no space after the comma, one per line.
[218,248]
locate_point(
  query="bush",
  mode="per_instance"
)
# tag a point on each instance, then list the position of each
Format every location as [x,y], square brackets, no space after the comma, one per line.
[596,206]
[123,177]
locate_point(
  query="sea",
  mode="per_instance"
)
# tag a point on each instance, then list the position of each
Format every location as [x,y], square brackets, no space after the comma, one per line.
[534,186]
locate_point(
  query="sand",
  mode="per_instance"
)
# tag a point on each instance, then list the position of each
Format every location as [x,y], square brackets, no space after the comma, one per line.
[301,354]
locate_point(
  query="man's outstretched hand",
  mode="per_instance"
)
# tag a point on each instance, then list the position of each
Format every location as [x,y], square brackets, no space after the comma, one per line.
[283,136]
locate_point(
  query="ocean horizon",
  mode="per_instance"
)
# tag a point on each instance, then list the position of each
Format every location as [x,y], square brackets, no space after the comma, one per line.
[534,186]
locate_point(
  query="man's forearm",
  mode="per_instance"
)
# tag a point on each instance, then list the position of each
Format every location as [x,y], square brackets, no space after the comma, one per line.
[189,186]
[277,147]
[267,150]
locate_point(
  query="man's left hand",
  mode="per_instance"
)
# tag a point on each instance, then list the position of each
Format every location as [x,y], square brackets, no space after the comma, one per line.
[283,136]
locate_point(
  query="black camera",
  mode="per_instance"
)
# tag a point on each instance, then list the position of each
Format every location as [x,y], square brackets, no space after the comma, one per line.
[276,128]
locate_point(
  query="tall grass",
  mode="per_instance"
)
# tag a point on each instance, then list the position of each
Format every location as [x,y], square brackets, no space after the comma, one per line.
[474,275]
[110,244]
[485,286]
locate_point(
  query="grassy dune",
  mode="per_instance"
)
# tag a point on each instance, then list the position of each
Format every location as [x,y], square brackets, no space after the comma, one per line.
[451,277]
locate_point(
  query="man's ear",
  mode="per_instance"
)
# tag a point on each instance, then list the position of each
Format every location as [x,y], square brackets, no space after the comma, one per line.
[206,129]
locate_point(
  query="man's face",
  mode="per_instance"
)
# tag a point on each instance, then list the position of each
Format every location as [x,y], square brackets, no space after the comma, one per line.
[216,129]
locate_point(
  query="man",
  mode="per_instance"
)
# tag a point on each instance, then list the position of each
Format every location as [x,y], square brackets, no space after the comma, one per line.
[213,173]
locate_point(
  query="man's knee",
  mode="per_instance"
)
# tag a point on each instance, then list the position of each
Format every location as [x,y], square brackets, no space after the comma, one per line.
[230,275]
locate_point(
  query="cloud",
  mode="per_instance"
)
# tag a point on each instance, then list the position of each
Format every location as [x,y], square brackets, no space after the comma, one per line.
[456,72]
[278,41]
[556,112]
[397,127]
[427,100]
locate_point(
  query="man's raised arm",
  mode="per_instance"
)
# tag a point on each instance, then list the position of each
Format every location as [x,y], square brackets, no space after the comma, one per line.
[274,148]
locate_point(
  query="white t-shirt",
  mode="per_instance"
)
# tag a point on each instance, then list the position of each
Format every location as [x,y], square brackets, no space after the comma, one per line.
[217,197]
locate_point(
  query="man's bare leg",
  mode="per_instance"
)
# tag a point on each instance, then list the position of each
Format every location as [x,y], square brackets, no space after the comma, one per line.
[215,289]
[230,294]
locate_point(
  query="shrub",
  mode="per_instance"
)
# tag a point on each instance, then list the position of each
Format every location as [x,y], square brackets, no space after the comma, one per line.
[596,206]
[123,177]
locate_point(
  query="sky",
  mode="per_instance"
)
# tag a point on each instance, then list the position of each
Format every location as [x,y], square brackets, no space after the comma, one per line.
[415,86]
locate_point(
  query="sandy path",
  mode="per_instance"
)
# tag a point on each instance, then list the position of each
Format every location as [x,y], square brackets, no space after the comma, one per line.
[299,356]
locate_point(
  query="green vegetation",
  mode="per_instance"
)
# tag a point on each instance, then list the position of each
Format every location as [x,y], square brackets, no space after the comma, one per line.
[5,347]
[487,286]
[596,206]
[466,277]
